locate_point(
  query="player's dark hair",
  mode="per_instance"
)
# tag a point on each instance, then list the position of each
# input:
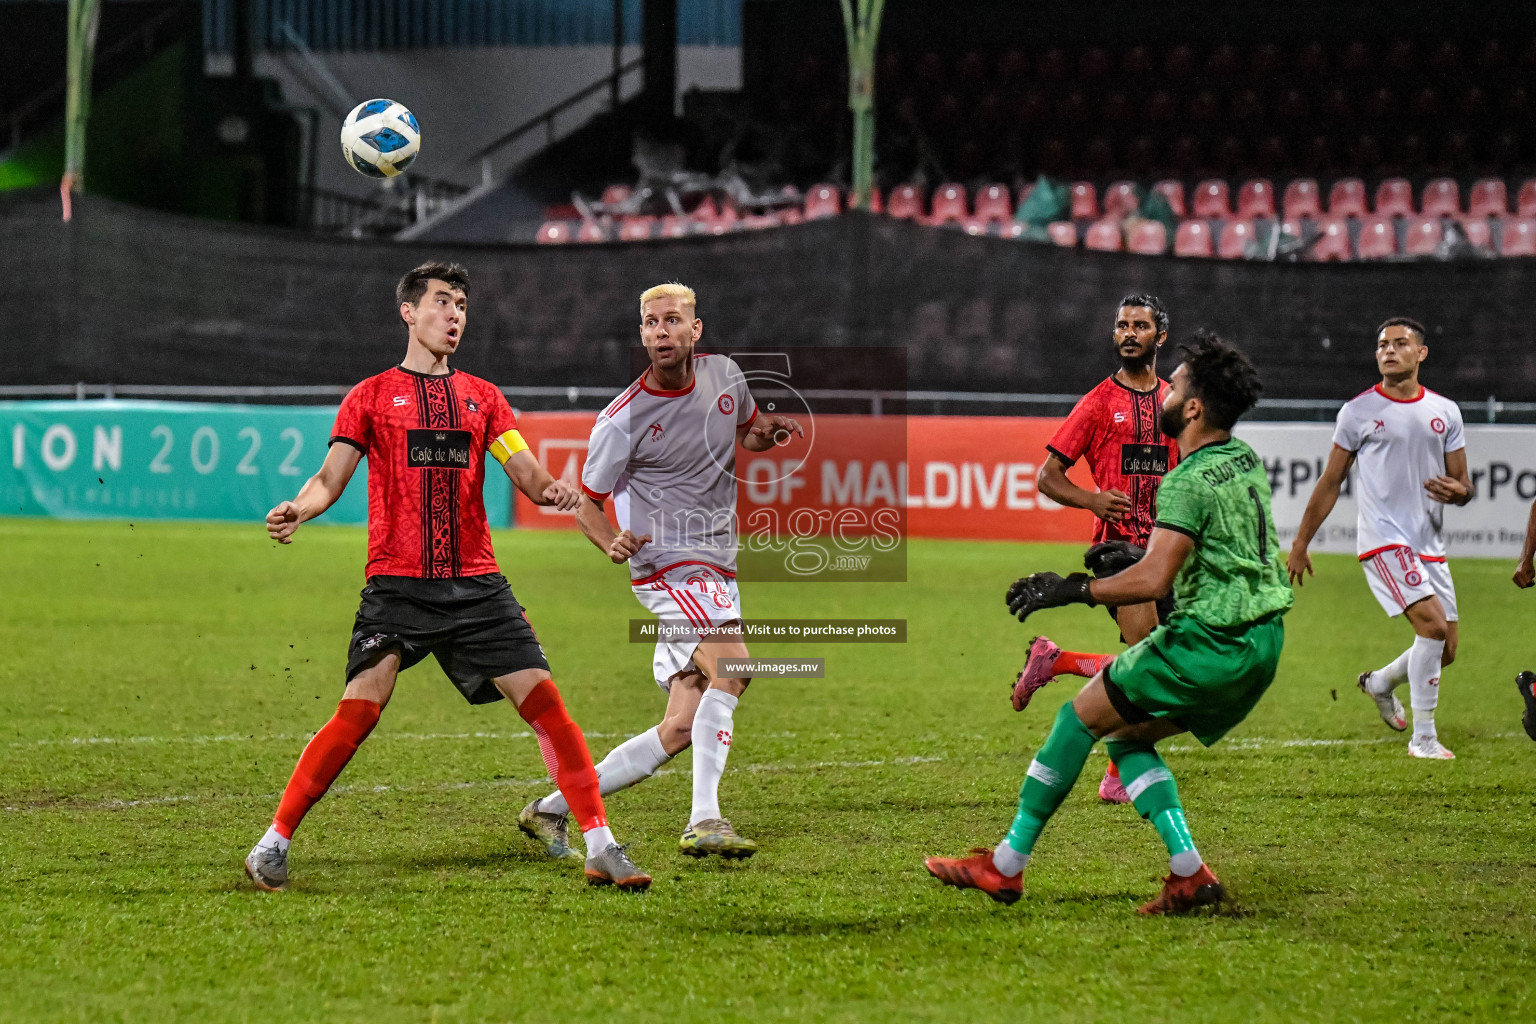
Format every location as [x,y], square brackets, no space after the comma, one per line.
[1221,377]
[414,284]
[1155,304]
[1403,321]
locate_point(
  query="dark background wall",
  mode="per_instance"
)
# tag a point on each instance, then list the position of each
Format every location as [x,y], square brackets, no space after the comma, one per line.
[127,296]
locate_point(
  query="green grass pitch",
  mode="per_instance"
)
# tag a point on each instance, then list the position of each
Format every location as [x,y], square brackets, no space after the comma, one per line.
[157,683]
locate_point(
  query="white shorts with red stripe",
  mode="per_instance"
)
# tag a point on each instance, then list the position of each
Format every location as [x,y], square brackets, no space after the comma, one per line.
[686,598]
[1399,578]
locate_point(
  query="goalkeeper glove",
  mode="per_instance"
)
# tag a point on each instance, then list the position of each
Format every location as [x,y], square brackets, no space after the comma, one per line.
[1109,557]
[1031,593]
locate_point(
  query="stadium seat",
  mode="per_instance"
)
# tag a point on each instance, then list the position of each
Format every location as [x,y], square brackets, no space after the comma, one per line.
[1302,199]
[1193,238]
[906,203]
[706,210]
[993,203]
[1488,199]
[1394,198]
[948,204]
[822,201]
[1479,233]
[1347,198]
[974,225]
[1442,198]
[1120,199]
[1256,199]
[791,215]
[1148,237]
[1518,237]
[591,231]
[554,232]
[1525,199]
[1235,237]
[1212,199]
[673,227]
[1085,201]
[636,229]
[1103,236]
[616,194]
[1378,237]
[876,201]
[1063,233]
[1173,191]
[1424,234]
[1333,243]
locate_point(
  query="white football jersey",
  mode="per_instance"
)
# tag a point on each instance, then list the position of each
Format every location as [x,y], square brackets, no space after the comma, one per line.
[1398,445]
[669,459]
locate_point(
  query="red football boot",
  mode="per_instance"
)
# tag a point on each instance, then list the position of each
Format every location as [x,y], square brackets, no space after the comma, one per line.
[1182,894]
[977,872]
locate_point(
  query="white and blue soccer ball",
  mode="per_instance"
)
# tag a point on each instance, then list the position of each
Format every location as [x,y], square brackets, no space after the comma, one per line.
[380,138]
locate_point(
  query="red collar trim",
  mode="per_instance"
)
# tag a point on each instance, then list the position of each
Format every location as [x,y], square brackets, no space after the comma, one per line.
[1402,401]
[665,394]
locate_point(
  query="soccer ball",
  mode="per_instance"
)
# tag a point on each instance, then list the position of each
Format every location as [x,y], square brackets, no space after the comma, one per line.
[380,138]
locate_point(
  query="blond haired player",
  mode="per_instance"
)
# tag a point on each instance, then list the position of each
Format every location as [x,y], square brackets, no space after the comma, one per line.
[1413,462]
[665,451]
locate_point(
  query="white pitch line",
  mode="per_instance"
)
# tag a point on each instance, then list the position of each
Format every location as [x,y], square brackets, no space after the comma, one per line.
[90,741]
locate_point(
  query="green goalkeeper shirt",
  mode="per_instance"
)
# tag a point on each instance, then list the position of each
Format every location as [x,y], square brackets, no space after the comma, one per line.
[1219,496]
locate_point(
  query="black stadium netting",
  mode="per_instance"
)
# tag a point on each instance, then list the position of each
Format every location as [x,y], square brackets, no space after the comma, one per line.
[129,296]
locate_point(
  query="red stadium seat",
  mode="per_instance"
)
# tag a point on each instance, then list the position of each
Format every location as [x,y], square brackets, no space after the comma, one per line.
[1063,233]
[1519,237]
[554,232]
[591,231]
[1394,198]
[616,194]
[1347,198]
[1149,238]
[823,201]
[1302,199]
[1120,199]
[1525,201]
[906,203]
[635,229]
[1235,236]
[1424,234]
[1478,233]
[876,201]
[1442,198]
[974,225]
[1488,199]
[791,215]
[1378,237]
[1333,244]
[1212,199]
[1103,236]
[673,227]
[1085,201]
[1193,238]
[706,210]
[1173,191]
[948,204]
[1256,199]
[993,203]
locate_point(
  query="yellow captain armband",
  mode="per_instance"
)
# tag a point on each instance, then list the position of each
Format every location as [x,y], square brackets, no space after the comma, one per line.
[507,445]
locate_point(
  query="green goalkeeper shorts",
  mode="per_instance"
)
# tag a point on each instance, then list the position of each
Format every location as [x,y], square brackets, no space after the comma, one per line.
[1205,678]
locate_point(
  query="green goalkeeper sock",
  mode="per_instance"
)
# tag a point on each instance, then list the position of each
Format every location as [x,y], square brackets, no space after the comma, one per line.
[1051,777]
[1156,797]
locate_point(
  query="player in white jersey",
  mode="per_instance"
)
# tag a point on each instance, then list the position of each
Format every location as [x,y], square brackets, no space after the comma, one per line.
[1413,462]
[665,451]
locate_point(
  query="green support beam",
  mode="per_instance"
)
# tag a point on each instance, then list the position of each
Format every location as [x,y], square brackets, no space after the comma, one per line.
[84,19]
[862,28]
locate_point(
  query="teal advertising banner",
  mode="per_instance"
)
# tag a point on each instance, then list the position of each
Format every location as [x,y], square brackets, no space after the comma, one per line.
[177,460]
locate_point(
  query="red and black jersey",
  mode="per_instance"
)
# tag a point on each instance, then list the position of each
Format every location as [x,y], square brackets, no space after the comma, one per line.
[425,438]
[1116,427]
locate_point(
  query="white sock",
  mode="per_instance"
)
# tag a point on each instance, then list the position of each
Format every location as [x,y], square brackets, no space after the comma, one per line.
[1392,676]
[1185,864]
[1424,682]
[274,838]
[1008,861]
[711,746]
[597,840]
[632,761]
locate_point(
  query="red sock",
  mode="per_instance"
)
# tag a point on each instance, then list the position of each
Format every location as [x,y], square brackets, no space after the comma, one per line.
[1070,663]
[1114,769]
[565,753]
[323,759]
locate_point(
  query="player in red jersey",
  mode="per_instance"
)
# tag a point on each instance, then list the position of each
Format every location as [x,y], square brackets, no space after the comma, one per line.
[1115,426]
[433,585]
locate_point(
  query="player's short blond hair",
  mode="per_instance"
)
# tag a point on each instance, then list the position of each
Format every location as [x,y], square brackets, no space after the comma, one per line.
[670,290]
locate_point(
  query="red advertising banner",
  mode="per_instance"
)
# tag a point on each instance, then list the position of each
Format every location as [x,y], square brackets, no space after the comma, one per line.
[959,476]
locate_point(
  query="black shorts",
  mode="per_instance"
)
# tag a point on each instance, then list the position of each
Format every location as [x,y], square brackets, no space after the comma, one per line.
[471,624]
[1164,608]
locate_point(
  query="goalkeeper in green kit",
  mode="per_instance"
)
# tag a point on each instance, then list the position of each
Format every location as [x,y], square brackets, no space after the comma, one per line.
[1214,543]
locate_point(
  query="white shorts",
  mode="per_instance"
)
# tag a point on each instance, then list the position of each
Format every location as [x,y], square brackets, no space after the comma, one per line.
[1399,578]
[686,598]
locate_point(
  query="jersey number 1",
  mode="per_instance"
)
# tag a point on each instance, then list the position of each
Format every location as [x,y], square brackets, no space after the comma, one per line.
[1258,508]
